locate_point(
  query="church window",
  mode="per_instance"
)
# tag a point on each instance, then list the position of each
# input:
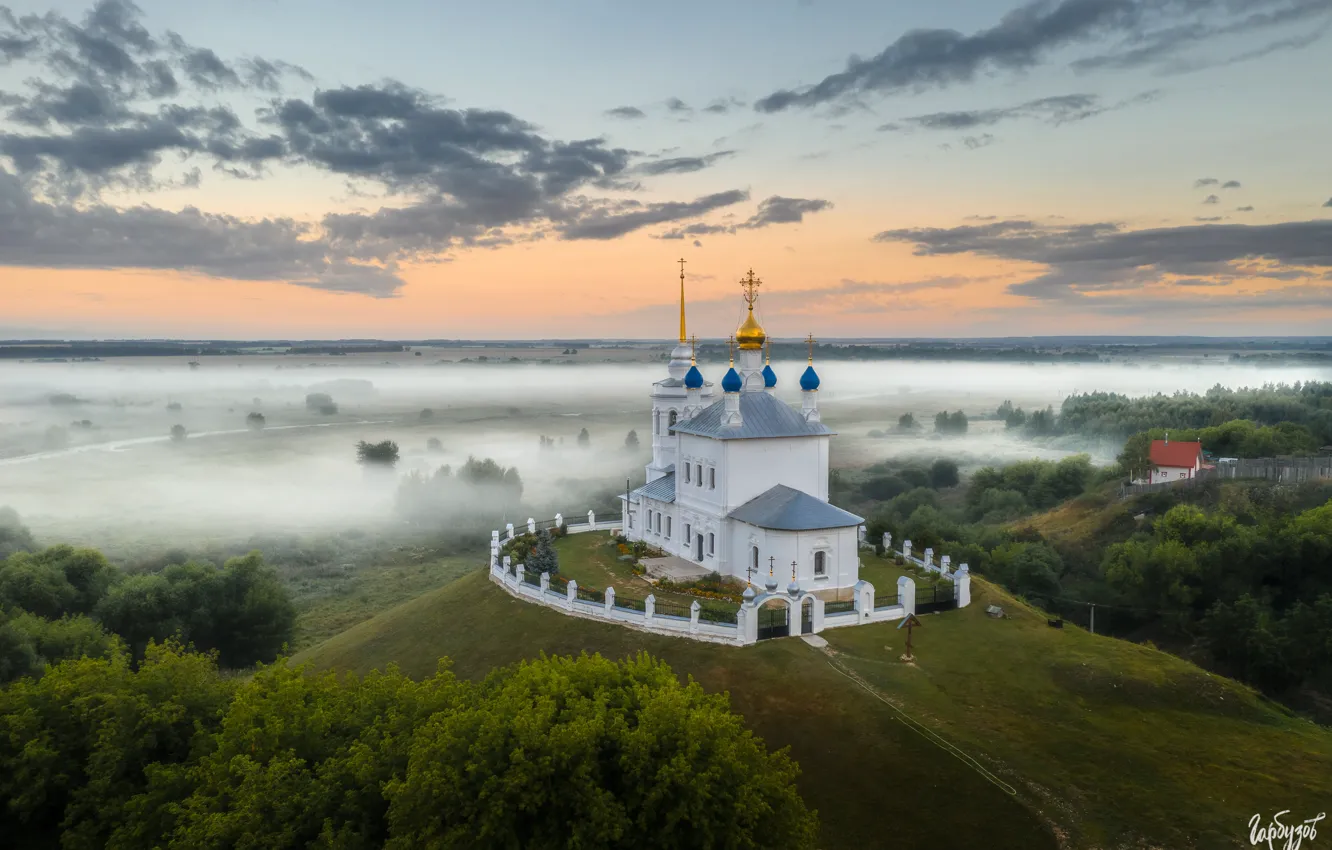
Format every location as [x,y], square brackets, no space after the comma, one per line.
[820,563]
[671,424]
[712,543]
[686,473]
[668,528]
[753,558]
[687,536]
[656,522]
[712,478]
[698,473]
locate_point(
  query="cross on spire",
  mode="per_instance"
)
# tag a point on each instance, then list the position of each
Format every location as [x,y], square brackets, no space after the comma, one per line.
[793,571]
[730,348]
[771,559]
[810,341]
[693,351]
[682,312]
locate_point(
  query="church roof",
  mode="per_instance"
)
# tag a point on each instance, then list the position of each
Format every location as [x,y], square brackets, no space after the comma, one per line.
[785,509]
[661,490]
[763,415]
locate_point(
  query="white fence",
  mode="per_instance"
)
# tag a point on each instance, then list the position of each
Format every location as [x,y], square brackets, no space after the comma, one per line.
[805,612]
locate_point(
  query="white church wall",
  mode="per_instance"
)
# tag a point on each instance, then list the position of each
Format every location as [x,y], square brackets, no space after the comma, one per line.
[839,546]
[755,466]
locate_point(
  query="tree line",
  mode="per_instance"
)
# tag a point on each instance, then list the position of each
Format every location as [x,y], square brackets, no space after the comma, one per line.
[552,753]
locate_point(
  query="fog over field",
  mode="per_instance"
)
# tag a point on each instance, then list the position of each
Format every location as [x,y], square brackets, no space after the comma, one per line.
[121,477]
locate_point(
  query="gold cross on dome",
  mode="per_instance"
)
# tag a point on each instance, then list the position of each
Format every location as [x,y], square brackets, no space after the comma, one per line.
[810,340]
[750,284]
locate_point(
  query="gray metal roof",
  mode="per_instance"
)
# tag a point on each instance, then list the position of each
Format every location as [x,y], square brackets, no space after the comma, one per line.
[763,415]
[785,509]
[662,490]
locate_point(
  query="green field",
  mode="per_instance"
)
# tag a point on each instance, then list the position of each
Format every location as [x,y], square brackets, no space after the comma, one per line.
[1005,733]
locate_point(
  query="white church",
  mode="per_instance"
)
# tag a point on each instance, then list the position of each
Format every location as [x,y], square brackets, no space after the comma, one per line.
[739,484]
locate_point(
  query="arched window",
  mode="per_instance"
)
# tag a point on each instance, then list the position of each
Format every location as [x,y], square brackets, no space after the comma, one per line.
[753,558]
[712,543]
[712,478]
[671,423]
[820,563]
[668,528]
[698,473]
[686,473]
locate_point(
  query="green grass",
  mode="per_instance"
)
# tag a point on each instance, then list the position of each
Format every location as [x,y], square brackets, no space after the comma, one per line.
[592,561]
[1106,743]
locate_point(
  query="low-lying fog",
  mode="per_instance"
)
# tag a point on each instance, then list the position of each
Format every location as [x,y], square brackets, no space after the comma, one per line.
[85,451]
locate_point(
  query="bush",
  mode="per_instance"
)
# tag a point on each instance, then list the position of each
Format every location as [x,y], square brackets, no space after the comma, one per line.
[255,421]
[434,445]
[178,432]
[943,473]
[384,453]
[318,401]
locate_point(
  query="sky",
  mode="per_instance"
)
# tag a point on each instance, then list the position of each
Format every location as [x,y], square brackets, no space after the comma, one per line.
[411,169]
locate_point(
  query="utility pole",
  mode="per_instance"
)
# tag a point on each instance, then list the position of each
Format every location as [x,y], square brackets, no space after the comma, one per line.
[1093,617]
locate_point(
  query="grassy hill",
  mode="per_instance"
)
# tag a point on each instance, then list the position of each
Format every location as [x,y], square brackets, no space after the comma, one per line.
[1005,733]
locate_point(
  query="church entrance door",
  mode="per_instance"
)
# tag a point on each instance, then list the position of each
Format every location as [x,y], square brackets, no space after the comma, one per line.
[774,620]
[807,617]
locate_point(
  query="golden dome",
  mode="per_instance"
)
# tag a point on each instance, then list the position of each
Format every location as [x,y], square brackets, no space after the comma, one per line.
[750,335]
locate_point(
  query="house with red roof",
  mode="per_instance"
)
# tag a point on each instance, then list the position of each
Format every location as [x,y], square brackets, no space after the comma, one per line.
[1174,461]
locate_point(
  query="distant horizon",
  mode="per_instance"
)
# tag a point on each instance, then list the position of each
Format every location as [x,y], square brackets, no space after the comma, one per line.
[425,341]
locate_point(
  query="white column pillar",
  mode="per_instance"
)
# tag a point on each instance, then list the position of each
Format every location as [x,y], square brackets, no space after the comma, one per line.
[508,529]
[906,594]
[650,604]
[945,562]
[559,520]
[571,593]
[963,582]
[694,608]
[906,549]
[864,600]
[929,558]
[887,541]
[519,572]
[508,564]
[817,625]
[610,600]
[592,520]
[545,582]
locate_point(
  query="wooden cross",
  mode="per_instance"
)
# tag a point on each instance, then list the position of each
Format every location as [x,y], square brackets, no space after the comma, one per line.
[910,622]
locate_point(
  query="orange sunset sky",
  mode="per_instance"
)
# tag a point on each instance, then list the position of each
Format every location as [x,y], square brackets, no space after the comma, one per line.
[316,170]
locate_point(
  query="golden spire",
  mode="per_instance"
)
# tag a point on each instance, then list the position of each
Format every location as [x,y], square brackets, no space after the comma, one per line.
[810,340]
[682,316]
[750,334]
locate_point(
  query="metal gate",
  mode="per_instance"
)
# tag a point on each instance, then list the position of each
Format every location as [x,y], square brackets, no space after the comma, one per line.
[940,597]
[807,617]
[773,622]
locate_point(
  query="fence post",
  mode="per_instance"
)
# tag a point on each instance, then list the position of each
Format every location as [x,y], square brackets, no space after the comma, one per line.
[509,530]
[592,520]
[494,540]
[888,542]
[694,608]
[963,582]
[864,600]
[545,582]
[559,520]
[906,595]
[508,565]
[650,606]
[945,561]
[610,600]
[519,572]
[531,526]
[929,558]
[906,549]
[571,593]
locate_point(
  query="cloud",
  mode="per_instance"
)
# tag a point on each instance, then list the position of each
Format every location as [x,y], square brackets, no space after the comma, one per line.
[1211,199]
[611,224]
[1100,257]
[1328,203]
[108,104]
[981,141]
[772,210]
[1208,217]
[678,106]
[626,112]
[681,164]
[1057,110]
[1243,209]
[1146,31]
[723,105]
[1205,181]
[1230,184]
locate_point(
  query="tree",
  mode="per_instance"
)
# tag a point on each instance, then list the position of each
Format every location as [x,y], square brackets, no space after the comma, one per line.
[584,439]
[906,422]
[317,401]
[943,473]
[427,413]
[14,535]
[543,558]
[434,445]
[631,440]
[255,421]
[383,453]
[609,778]
[178,433]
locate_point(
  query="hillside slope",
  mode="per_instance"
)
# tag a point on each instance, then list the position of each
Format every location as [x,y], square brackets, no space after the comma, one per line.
[1096,741]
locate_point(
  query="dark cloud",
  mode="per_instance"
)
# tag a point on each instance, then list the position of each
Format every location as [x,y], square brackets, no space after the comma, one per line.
[611,224]
[1211,199]
[678,106]
[1205,181]
[1230,184]
[1208,217]
[981,141]
[723,105]
[681,164]
[1243,209]
[1145,31]
[1104,256]
[1061,109]
[627,112]
[772,210]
